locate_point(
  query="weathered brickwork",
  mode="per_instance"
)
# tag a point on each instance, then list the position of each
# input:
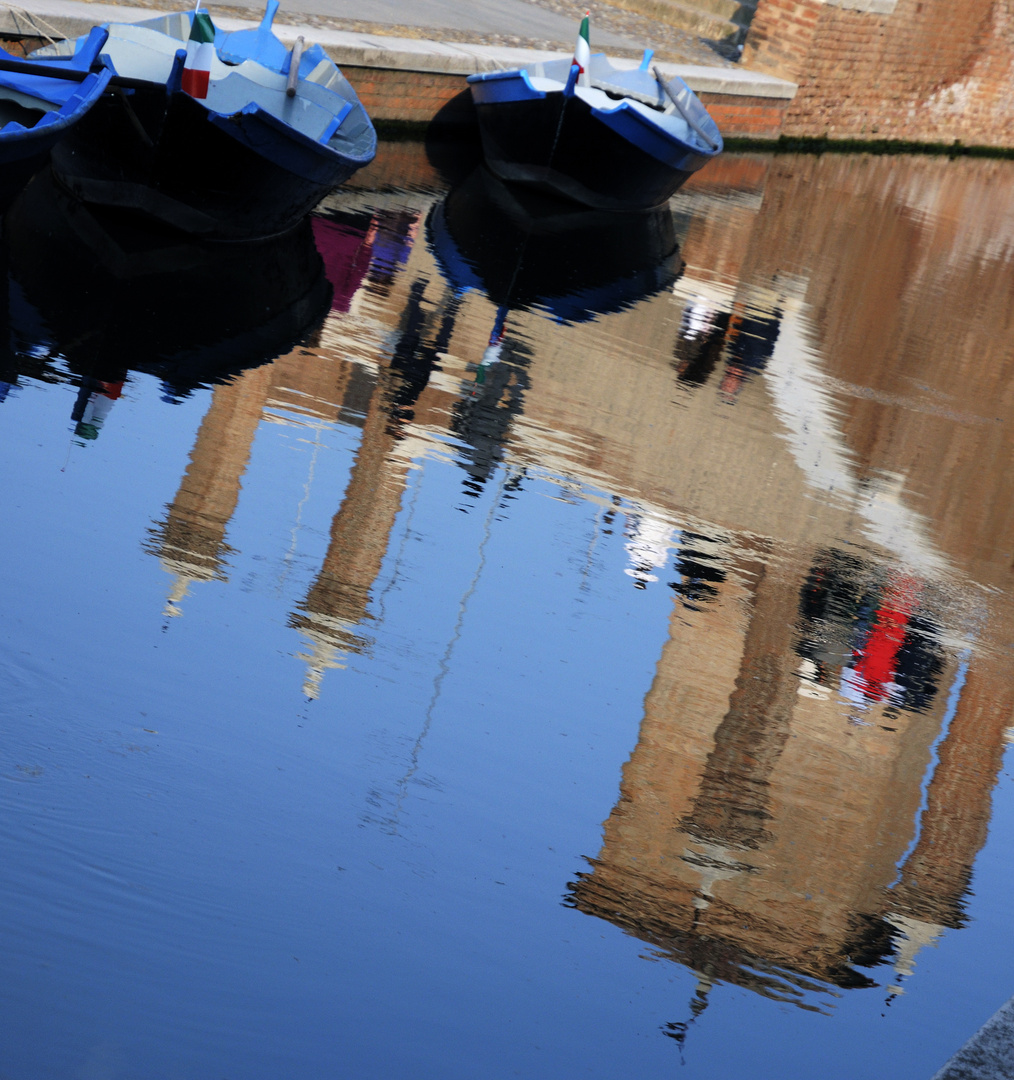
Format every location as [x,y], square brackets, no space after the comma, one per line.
[781,35]
[932,71]
[753,117]
[392,94]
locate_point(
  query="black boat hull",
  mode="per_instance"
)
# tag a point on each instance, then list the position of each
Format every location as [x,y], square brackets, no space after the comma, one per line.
[557,144]
[164,156]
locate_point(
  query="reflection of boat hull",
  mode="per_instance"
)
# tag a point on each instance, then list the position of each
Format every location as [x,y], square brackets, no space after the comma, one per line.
[116,297]
[247,161]
[589,144]
[526,250]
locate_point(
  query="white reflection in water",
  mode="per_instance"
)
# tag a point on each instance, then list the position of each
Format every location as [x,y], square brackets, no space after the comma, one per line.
[807,411]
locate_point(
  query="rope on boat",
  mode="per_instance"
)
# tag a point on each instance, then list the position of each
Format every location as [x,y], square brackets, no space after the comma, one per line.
[33,29]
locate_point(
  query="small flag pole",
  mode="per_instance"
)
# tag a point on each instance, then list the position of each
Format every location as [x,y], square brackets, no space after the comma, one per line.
[582,51]
[200,56]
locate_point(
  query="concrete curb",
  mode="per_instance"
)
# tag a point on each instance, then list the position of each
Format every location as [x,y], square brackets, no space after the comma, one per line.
[988,1054]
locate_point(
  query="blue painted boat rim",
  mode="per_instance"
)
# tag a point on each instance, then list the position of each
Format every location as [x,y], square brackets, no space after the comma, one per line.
[87,92]
[620,98]
[68,100]
[504,86]
[659,143]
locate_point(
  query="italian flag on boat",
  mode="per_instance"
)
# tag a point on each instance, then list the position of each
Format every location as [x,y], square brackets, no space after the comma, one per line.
[200,53]
[582,51]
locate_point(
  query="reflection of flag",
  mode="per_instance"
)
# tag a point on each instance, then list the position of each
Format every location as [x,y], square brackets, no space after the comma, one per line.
[200,53]
[582,51]
[346,247]
[95,399]
[876,659]
[495,347]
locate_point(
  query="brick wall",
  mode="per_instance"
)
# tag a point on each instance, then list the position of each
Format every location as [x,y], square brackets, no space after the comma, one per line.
[919,70]
[746,117]
[394,94]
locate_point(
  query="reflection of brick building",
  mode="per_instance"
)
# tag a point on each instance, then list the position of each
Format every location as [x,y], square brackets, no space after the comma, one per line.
[919,245]
[360,371]
[760,825]
[763,835]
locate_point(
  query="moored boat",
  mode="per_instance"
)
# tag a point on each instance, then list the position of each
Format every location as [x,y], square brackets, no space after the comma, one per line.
[213,141]
[607,135]
[40,103]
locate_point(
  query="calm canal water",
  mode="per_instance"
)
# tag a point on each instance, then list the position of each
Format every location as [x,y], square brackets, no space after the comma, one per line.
[464,642]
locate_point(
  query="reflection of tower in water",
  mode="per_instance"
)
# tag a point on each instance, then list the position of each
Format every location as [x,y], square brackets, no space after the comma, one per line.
[337,604]
[763,837]
[730,811]
[190,540]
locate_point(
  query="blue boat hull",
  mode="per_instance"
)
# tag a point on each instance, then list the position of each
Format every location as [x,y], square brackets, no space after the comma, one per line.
[247,161]
[613,159]
[27,135]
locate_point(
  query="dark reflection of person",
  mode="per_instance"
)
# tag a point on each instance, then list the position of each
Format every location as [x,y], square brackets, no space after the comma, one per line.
[749,343]
[390,237]
[700,572]
[699,341]
[863,634]
[416,352]
[482,416]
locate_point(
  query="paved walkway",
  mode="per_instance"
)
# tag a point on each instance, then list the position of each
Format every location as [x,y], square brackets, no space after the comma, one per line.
[545,25]
[515,18]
